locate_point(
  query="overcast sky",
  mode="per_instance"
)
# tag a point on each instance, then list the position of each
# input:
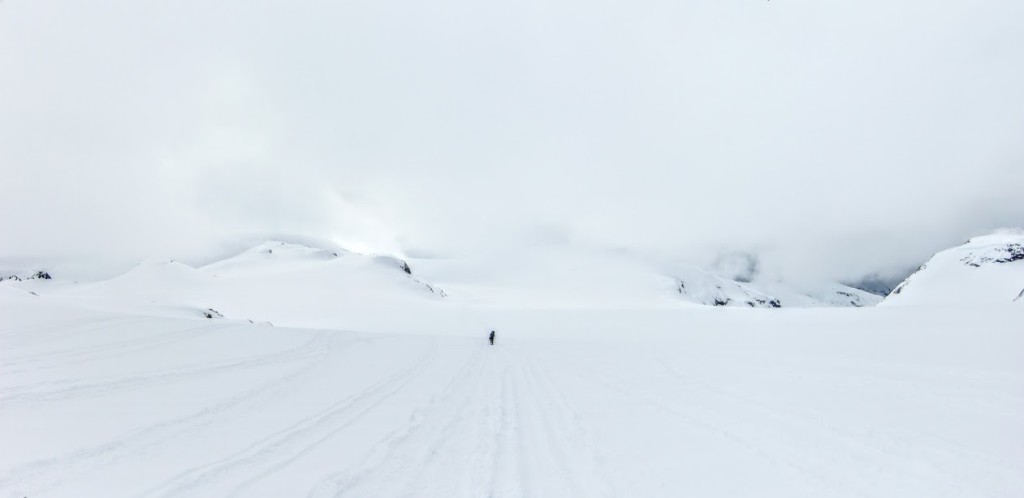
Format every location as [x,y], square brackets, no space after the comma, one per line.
[832,137]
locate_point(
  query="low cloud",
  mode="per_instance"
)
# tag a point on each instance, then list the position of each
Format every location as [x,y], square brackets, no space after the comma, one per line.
[830,140]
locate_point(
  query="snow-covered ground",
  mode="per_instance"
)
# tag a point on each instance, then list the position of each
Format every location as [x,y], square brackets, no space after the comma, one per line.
[697,401]
[291,370]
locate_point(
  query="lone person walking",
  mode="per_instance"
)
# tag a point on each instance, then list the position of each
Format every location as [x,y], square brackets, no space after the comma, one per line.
[491,338]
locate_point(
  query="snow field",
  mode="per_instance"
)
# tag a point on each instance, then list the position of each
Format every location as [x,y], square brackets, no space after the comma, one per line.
[707,402]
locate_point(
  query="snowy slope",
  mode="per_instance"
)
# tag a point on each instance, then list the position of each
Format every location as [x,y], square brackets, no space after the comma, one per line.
[985,270]
[272,282]
[897,402]
[822,294]
[703,287]
[282,282]
[558,276]
[553,276]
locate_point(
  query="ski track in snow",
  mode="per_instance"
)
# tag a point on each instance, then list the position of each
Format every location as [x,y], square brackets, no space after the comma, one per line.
[327,414]
[283,447]
[152,437]
[503,403]
[64,389]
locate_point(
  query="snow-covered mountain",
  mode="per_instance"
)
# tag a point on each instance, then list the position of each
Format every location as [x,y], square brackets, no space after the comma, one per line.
[579,276]
[704,287]
[18,277]
[302,284]
[274,281]
[984,270]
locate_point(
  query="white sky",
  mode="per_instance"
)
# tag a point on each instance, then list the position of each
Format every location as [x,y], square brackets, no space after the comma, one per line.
[834,138]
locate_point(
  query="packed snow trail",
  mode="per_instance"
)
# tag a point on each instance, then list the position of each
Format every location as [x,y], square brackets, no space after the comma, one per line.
[98,404]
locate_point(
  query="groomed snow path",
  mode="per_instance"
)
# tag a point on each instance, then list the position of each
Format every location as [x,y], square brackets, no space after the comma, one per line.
[99,404]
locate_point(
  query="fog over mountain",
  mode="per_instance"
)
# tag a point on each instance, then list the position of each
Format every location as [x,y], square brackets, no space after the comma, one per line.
[830,140]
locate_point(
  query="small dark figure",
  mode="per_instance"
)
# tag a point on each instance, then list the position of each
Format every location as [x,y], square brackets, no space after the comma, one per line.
[491,338]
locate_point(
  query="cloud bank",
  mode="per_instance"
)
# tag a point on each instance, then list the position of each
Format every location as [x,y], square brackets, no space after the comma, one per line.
[832,139]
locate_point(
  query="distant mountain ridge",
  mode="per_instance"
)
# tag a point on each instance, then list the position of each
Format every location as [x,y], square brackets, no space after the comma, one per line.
[278,281]
[36,275]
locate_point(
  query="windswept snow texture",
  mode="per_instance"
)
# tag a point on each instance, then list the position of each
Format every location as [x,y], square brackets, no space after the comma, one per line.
[985,270]
[882,402]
